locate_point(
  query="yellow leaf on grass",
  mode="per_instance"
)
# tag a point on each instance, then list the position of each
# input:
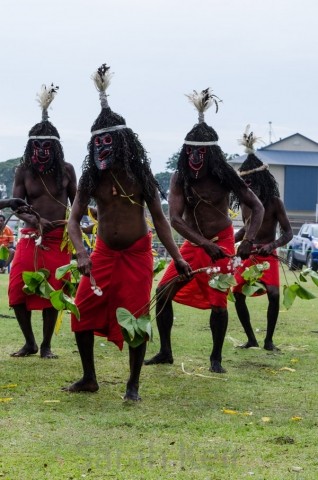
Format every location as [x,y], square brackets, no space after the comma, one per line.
[296,419]
[10,385]
[294,360]
[6,399]
[230,412]
[266,419]
[51,401]
[288,369]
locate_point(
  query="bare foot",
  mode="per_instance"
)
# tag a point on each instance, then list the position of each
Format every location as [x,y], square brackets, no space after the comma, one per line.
[47,353]
[216,367]
[159,358]
[271,347]
[132,395]
[25,351]
[249,344]
[90,386]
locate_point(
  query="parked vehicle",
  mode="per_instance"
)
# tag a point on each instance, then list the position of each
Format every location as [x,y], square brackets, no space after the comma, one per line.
[303,248]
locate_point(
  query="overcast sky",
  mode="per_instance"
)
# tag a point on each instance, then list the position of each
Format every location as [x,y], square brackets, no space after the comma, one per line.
[259,57]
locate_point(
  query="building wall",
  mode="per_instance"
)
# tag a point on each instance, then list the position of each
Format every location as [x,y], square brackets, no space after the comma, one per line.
[301,188]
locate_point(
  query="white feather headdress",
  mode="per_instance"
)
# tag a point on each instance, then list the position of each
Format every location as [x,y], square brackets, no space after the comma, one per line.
[101,79]
[45,97]
[248,140]
[203,100]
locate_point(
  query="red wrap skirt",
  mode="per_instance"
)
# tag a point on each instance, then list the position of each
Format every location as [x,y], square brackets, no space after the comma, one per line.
[125,277]
[197,293]
[270,276]
[29,257]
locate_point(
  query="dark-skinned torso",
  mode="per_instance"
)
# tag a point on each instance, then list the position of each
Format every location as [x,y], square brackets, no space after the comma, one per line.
[120,222]
[267,231]
[204,206]
[41,192]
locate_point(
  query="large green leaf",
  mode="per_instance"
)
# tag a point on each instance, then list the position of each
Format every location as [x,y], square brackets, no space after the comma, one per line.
[45,272]
[304,294]
[231,297]
[250,290]
[135,342]
[144,327]
[158,265]
[134,330]
[70,287]
[27,290]
[57,300]
[289,296]
[222,282]
[33,279]
[302,276]
[125,320]
[45,289]
[64,269]
[70,305]
[313,275]
[4,253]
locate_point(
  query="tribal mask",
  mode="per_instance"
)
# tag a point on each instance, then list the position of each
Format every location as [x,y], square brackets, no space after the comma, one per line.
[43,155]
[103,151]
[196,156]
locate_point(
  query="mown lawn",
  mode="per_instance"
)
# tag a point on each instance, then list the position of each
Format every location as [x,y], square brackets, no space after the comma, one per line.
[257,421]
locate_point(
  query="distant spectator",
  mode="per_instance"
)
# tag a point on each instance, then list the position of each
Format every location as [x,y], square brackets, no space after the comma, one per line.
[6,240]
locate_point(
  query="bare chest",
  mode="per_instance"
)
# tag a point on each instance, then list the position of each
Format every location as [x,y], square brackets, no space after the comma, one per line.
[207,193]
[118,193]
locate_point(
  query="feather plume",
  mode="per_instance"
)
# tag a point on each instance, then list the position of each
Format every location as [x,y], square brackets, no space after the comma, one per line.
[101,79]
[248,140]
[45,97]
[203,100]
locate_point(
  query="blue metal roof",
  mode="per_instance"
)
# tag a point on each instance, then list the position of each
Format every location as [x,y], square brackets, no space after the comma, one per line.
[282,157]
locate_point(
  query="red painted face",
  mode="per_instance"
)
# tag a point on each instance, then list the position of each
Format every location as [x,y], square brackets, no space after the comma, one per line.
[196,157]
[103,151]
[43,155]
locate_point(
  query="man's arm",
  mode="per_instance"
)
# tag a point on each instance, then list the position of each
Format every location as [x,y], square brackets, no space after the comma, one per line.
[72,186]
[254,222]
[164,233]
[19,191]
[13,203]
[285,228]
[84,263]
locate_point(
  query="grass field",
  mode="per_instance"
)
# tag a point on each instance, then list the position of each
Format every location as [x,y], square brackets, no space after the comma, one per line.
[257,421]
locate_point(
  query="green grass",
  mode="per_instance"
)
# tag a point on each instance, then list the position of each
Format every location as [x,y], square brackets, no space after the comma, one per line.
[183,429]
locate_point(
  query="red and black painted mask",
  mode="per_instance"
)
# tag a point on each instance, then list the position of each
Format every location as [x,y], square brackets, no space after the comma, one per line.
[196,157]
[103,151]
[43,155]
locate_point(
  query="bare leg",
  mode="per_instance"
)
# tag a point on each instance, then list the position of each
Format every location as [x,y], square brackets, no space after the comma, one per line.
[49,321]
[244,317]
[218,325]
[272,316]
[24,319]
[85,343]
[164,317]
[136,358]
